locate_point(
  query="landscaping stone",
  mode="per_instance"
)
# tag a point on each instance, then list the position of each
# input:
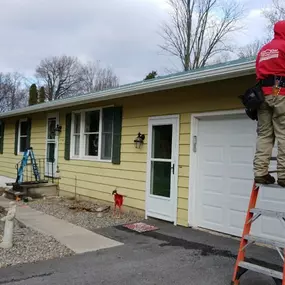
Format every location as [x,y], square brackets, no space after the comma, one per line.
[29,246]
[73,212]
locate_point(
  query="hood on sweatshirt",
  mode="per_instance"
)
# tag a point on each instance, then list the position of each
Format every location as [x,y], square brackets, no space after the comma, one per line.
[279,30]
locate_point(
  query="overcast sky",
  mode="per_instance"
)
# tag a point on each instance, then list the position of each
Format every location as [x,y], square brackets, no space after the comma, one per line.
[120,33]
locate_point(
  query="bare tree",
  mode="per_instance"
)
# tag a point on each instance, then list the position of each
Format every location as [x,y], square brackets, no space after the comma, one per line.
[59,75]
[199,29]
[12,92]
[95,78]
[274,14]
[251,49]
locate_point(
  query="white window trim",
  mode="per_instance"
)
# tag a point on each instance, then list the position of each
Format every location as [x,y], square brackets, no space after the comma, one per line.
[82,156]
[19,135]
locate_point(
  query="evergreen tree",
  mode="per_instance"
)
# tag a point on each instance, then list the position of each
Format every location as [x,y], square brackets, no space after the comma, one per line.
[42,95]
[151,75]
[33,95]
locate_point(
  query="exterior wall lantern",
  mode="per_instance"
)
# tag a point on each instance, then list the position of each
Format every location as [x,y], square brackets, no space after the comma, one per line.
[57,130]
[139,140]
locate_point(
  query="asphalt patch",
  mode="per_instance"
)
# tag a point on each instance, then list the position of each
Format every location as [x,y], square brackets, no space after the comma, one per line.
[205,250]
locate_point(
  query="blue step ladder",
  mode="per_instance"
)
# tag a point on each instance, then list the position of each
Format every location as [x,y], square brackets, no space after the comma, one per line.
[29,153]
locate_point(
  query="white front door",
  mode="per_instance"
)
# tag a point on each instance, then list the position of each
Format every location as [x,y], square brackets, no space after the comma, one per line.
[162,168]
[51,145]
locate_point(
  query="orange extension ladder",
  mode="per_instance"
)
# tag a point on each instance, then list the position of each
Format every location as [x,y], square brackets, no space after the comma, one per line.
[253,214]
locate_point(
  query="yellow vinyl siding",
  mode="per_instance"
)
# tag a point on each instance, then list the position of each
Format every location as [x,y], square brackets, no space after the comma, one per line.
[98,179]
[8,159]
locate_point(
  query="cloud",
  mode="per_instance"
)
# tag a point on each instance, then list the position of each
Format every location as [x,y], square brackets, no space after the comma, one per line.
[120,33]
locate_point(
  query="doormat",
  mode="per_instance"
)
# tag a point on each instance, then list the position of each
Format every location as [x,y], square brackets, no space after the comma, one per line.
[140,227]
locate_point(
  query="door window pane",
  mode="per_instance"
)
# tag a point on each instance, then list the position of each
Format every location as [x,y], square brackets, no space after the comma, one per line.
[50,152]
[51,127]
[91,144]
[92,121]
[24,128]
[160,178]
[162,141]
[23,144]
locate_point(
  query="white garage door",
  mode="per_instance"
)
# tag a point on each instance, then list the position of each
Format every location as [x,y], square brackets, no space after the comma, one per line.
[225,152]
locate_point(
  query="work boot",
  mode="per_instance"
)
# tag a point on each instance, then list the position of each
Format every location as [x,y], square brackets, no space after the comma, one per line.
[266,179]
[281,182]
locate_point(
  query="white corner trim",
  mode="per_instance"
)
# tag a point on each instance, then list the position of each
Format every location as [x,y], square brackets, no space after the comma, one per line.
[193,162]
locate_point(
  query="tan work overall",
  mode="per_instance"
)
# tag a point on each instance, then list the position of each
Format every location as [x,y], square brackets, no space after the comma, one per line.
[271,125]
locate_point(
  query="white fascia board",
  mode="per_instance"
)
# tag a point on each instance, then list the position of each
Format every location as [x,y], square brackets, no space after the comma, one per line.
[186,79]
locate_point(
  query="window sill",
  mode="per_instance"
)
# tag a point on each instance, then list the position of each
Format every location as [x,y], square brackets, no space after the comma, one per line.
[90,159]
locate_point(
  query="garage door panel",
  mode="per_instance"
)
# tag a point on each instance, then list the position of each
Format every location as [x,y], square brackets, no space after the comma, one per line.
[241,139]
[241,154]
[213,169]
[213,215]
[226,149]
[237,203]
[239,187]
[212,140]
[240,126]
[240,172]
[214,129]
[236,219]
[213,184]
[273,195]
[213,199]
[272,227]
[214,153]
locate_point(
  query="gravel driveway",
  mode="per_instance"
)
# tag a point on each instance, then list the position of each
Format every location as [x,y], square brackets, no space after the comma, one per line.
[29,246]
[59,208]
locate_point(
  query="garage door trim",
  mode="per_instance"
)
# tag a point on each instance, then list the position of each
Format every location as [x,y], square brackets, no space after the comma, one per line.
[193,171]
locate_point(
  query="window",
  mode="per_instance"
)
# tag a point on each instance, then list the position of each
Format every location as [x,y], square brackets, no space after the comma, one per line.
[92,134]
[76,133]
[23,136]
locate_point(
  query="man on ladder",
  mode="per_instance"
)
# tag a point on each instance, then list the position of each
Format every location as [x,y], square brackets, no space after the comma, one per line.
[270,71]
[266,103]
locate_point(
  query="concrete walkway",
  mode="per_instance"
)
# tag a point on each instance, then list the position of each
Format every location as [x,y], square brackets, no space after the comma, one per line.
[76,238]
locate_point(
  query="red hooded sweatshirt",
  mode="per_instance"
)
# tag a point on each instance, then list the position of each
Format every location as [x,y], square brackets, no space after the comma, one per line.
[271,58]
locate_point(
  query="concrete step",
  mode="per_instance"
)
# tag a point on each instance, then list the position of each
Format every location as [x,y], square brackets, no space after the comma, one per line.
[33,190]
[47,189]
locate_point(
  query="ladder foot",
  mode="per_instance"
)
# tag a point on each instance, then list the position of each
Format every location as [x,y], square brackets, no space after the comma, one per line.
[239,274]
[277,281]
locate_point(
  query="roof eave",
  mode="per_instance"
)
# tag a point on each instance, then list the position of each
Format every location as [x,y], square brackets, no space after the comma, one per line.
[199,77]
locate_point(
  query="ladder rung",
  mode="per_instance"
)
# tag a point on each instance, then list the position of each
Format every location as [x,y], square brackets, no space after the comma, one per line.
[266,241]
[270,186]
[262,270]
[268,213]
